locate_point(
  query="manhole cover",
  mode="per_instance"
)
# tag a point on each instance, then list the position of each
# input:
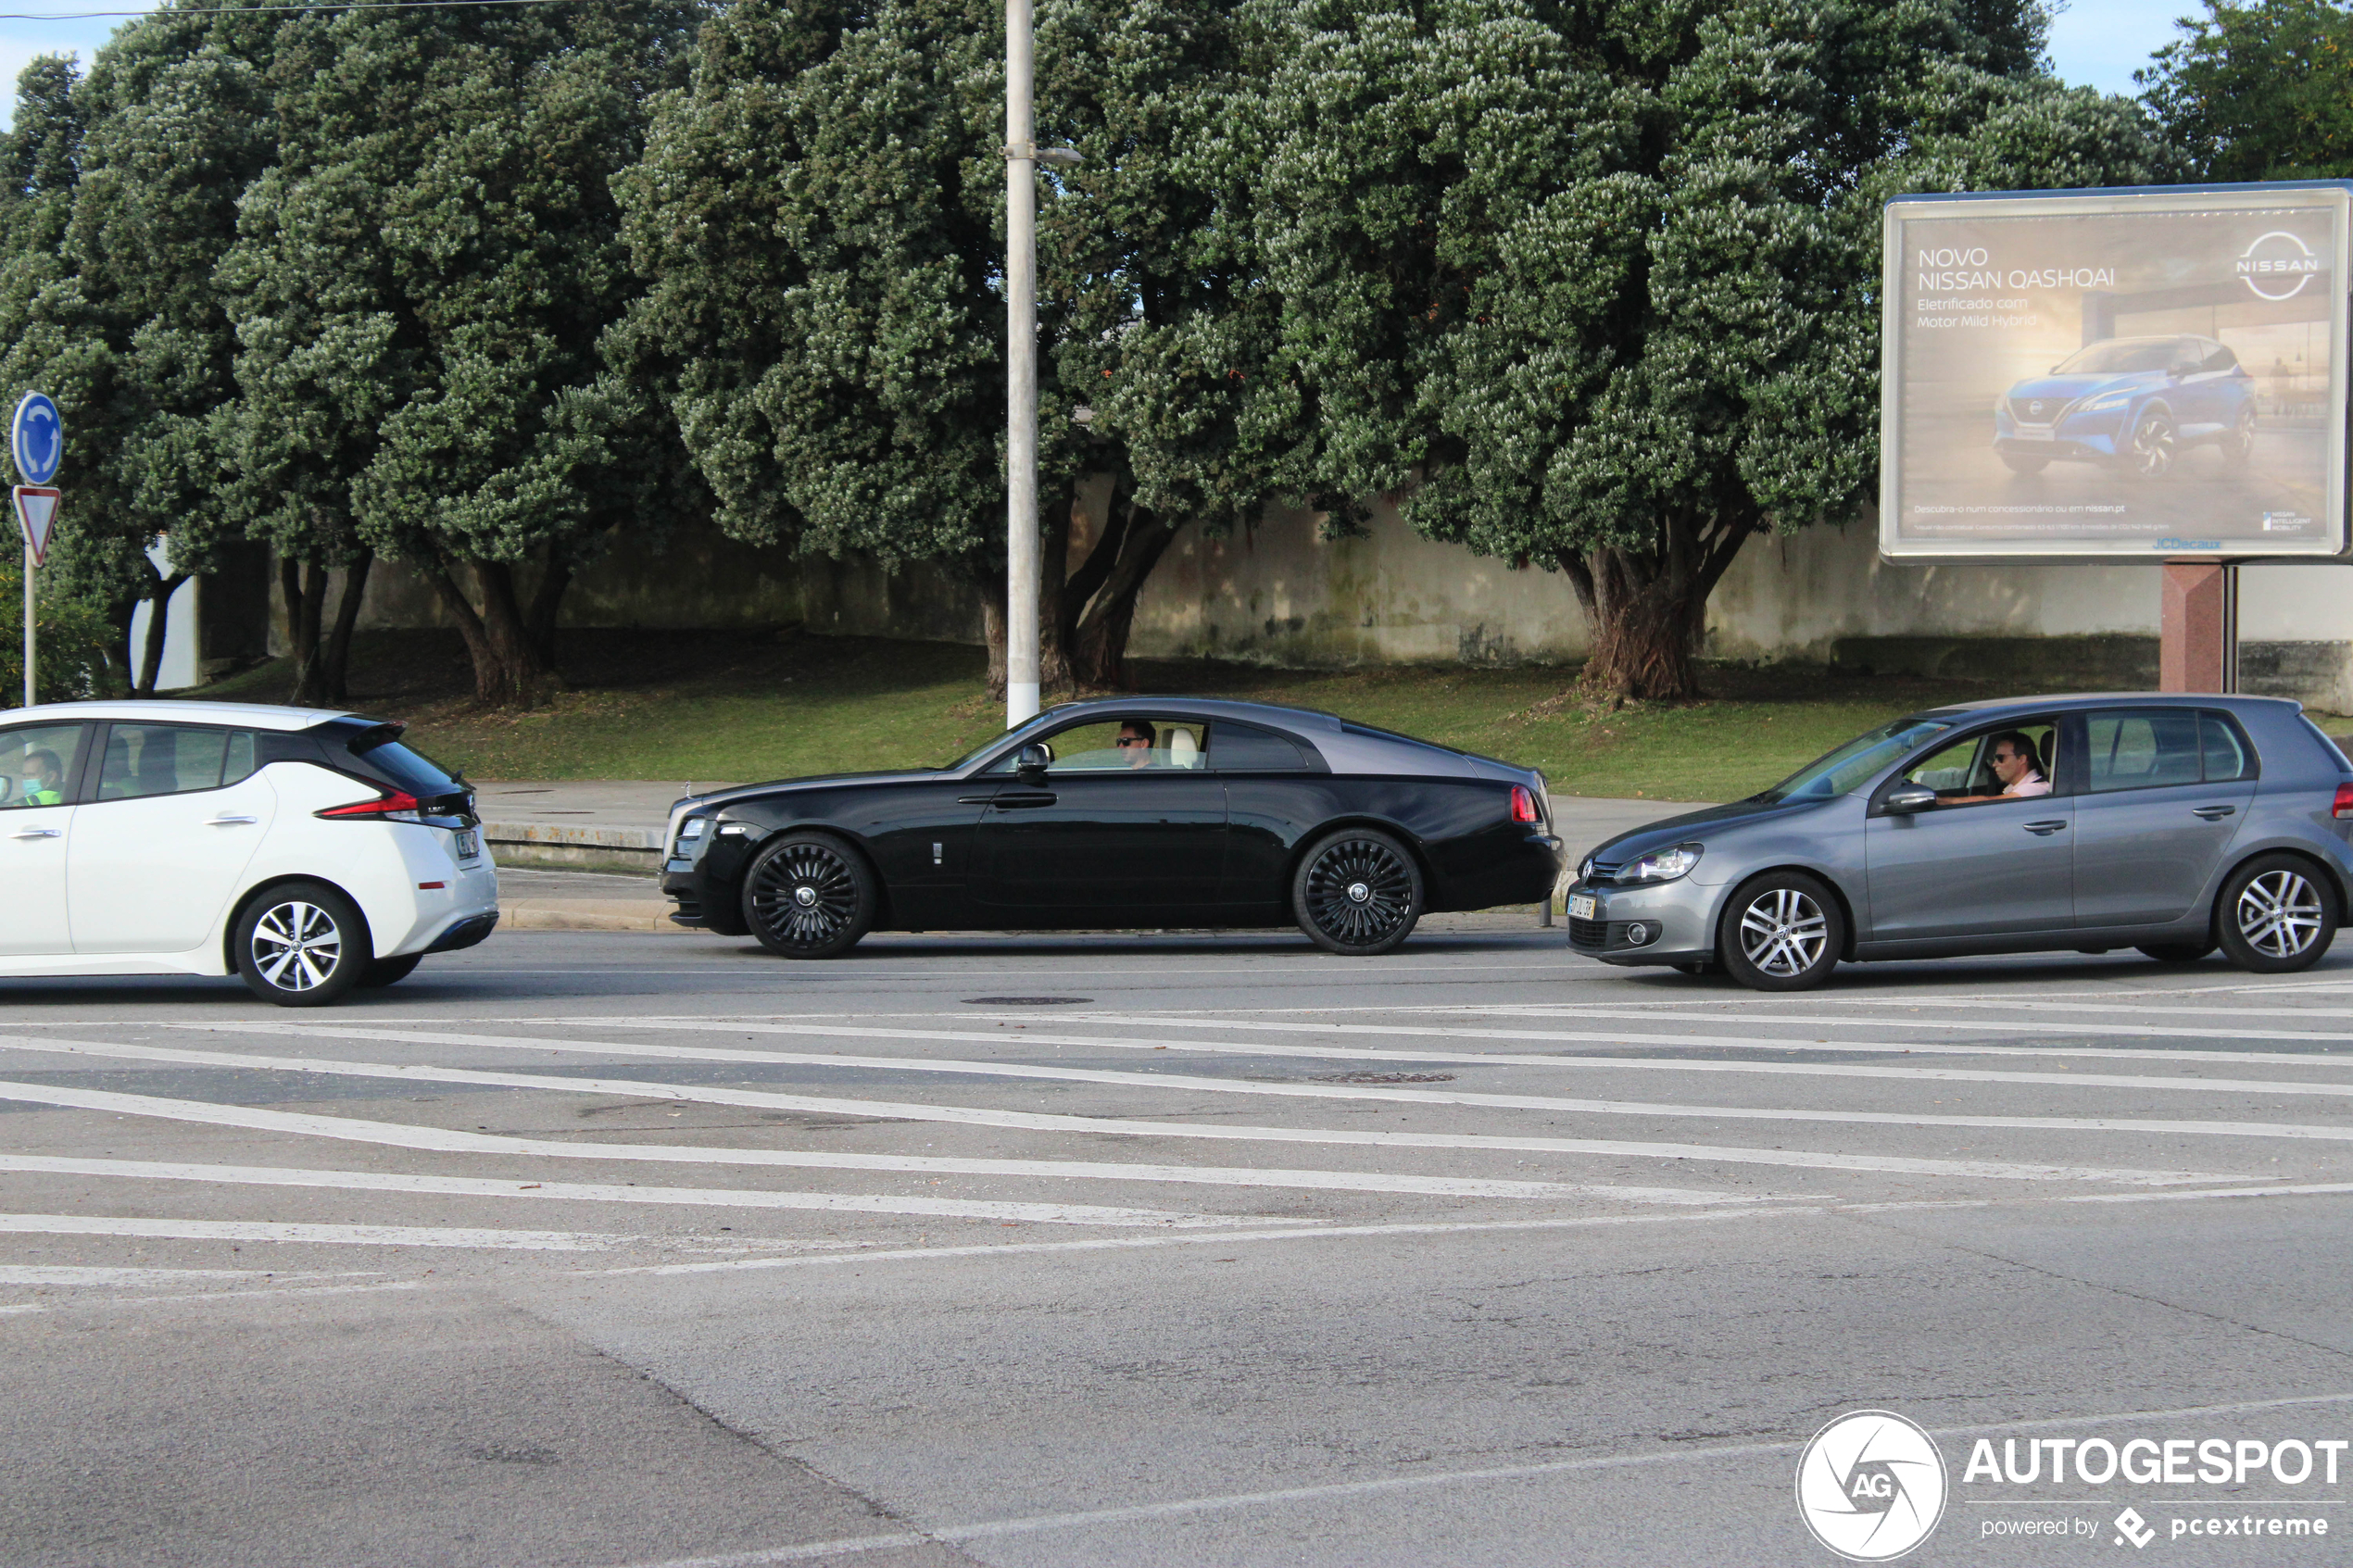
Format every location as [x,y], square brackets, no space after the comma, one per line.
[1028,1001]
[1384,1078]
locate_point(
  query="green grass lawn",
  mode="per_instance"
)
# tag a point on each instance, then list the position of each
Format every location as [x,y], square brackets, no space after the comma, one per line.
[721,706]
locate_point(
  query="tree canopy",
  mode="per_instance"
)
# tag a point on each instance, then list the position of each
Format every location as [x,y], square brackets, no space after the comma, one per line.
[2262,91]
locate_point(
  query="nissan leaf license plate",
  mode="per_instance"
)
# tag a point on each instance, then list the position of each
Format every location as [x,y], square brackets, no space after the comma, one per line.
[469,844]
[1582,905]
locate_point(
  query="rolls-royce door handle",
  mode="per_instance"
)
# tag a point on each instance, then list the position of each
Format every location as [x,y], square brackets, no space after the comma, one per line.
[1021,802]
[2045,830]
[2213,813]
[229,819]
[38,833]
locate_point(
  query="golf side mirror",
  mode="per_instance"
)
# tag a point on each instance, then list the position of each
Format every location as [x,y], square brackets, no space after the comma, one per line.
[1906,800]
[1031,764]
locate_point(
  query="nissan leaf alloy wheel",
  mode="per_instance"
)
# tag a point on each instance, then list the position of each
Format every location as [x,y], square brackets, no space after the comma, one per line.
[302,944]
[1357,892]
[2275,914]
[809,895]
[1782,931]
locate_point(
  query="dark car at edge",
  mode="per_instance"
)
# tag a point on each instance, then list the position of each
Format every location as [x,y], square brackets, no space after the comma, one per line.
[1124,813]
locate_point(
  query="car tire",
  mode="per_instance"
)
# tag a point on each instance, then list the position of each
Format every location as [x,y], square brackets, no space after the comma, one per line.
[809,895]
[302,944]
[1782,931]
[2025,465]
[1357,893]
[390,971]
[2177,952]
[2238,447]
[2275,914]
[2153,447]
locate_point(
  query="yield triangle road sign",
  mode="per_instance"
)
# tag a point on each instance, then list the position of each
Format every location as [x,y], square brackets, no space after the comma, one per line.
[37,516]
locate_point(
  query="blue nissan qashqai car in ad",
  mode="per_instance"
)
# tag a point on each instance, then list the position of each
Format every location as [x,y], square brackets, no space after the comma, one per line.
[2136,402]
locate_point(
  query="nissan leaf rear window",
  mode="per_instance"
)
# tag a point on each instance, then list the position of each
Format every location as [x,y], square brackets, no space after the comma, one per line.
[412,771]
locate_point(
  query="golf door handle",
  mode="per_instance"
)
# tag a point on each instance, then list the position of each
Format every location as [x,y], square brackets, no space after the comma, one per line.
[2045,830]
[2213,813]
[37,832]
[228,819]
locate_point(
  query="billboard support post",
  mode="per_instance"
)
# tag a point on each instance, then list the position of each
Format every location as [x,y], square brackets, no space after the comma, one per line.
[2198,627]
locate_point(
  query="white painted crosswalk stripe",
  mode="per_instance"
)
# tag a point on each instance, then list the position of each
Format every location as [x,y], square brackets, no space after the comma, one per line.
[408,1136]
[707,1197]
[978,1116]
[315,1234]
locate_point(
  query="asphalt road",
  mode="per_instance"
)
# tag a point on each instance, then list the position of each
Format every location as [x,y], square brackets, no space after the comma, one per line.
[607,1251]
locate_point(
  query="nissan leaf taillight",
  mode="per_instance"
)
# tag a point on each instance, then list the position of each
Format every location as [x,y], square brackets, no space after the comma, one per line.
[392,805]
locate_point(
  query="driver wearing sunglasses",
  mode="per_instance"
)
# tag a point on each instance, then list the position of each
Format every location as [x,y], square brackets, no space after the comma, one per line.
[1136,740]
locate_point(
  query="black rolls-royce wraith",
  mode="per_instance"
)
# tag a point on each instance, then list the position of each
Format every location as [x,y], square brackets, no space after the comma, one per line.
[1124,812]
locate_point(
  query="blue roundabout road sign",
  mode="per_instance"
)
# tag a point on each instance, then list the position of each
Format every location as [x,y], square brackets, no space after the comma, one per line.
[37,439]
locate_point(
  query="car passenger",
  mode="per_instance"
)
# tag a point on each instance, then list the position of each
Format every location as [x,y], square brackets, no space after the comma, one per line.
[1136,738]
[2017,765]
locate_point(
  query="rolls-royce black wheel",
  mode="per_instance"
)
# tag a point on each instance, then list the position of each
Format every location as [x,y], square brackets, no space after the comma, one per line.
[808,895]
[1357,892]
[2275,914]
[302,944]
[1781,931]
[391,972]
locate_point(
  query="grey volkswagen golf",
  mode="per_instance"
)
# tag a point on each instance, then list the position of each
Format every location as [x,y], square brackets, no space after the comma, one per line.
[2175,824]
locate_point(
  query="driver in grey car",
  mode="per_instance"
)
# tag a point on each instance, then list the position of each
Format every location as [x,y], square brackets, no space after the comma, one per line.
[2016,764]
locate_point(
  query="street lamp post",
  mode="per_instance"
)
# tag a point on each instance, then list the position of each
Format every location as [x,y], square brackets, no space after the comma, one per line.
[1021,372]
[1022,158]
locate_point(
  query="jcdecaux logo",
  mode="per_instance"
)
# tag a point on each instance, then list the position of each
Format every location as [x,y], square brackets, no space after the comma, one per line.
[1873,1487]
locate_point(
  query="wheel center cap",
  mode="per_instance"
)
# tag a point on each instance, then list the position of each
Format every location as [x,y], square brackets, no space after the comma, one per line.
[804,895]
[1358,893]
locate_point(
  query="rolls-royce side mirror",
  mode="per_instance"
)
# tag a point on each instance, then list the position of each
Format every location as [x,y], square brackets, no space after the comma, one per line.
[1030,766]
[1905,799]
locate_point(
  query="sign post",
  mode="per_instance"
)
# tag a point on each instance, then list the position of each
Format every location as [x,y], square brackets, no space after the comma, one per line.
[2154,374]
[37,442]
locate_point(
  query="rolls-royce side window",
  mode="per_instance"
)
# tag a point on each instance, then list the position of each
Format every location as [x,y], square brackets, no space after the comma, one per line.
[1244,749]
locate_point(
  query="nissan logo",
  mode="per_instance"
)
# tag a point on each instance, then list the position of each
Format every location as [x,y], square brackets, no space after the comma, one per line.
[2035,407]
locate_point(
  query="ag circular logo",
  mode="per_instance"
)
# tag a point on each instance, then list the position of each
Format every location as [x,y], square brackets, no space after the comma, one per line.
[1870,1485]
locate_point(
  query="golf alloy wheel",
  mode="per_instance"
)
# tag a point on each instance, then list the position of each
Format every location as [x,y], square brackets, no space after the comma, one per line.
[2279,914]
[1357,892]
[302,944]
[808,897]
[2152,451]
[1781,931]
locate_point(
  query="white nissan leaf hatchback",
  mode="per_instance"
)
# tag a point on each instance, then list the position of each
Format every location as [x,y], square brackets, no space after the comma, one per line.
[309,852]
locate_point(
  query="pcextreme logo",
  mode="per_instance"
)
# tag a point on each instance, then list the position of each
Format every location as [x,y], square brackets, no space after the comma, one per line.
[1870,1485]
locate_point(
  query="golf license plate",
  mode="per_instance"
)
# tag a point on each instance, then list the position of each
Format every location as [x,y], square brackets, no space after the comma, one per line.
[1583,906]
[469,844]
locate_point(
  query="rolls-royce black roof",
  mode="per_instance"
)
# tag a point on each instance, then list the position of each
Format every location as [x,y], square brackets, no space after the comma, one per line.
[1346,746]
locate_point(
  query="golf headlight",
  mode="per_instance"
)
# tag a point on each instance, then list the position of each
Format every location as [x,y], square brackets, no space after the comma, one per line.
[1662,865]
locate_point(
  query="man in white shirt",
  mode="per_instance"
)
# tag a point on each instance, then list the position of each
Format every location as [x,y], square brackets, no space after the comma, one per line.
[2016,765]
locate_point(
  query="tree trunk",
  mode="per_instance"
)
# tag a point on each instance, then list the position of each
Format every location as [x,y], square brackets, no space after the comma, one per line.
[509,671]
[158,622]
[1099,649]
[336,661]
[1054,564]
[546,600]
[305,585]
[1646,611]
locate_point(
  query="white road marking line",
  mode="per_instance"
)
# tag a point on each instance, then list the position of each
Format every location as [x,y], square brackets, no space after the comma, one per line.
[1047,1122]
[33,1273]
[707,1198]
[1982,1025]
[357,1235]
[1310,1091]
[1420,1481]
[403,1135]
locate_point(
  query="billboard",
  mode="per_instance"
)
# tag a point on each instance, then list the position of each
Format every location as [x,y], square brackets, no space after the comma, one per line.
[2115,373]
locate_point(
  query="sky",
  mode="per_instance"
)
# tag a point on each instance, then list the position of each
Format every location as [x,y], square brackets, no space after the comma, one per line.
[2094,43]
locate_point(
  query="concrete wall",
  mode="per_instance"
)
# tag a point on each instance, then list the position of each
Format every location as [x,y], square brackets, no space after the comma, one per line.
[1280,593]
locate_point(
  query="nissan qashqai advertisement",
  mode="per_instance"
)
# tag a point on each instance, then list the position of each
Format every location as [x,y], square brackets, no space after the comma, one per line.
[2151,373]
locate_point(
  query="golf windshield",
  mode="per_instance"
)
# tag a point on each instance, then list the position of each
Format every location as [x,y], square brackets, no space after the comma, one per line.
[1855,762]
